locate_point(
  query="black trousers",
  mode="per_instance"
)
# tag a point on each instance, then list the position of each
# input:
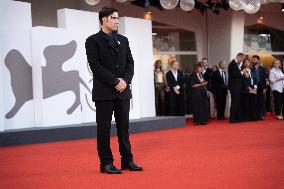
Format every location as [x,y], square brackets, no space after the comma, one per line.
[220,97]
[235,110]
[176,104]
[104,110]
[249,107]
[261,104]
[277,102]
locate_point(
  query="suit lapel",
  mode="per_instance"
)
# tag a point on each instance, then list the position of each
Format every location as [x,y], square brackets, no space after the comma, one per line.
[117,52]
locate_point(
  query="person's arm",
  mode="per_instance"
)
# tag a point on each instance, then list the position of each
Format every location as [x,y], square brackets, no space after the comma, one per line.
[204,83]
[273,78]
[196,84]
[234,71]
[129,69]
[98,70]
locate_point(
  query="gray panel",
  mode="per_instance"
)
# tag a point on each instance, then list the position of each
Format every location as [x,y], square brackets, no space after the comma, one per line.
[21,80]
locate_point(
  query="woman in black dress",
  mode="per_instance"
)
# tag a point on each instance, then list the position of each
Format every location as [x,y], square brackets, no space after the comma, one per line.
[249,89]
[199,97]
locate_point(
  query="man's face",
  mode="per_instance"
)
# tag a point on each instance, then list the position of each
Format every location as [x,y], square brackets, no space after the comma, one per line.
[223,65]
[175,66]
[204,63]
[240,58]
[111,22]
[254,61]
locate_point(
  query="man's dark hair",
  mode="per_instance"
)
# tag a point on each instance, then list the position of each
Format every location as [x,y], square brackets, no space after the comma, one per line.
[220,62]
[256,56]
[106,11]
[172,62]
[204,59]
[240,54]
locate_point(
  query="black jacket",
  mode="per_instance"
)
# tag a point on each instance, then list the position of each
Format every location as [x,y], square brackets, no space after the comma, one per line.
[218,82]
[208,77]
[172,82]
[110,58]
[235,76]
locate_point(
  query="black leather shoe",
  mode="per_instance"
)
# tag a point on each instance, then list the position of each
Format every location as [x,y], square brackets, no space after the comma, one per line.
[130,166]
[109,169]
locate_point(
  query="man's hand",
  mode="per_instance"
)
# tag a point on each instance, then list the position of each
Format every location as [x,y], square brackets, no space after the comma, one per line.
[204,83]
[176,89]
[246,74]
[121,85]
[243,71]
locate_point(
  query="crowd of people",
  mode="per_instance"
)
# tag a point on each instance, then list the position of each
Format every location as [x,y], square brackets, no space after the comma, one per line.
[254,90]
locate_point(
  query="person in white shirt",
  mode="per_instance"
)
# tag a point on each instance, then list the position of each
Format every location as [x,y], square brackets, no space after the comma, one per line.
[276,78]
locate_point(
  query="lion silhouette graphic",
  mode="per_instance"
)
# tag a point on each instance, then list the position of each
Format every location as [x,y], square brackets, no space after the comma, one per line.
[54,80]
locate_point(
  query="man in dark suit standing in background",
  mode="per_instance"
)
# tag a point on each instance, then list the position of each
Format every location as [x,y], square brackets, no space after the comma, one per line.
[207,75]
[175,82]
[111,62]
[259,72]
[235,86]
[219,88]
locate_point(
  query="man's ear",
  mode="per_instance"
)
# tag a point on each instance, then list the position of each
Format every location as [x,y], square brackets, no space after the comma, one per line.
[105,19]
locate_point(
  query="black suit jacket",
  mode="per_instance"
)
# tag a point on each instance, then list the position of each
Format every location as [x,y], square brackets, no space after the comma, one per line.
[108,63]
[235,76]
[208,77]
[217,81]
[261,79]
[172,82]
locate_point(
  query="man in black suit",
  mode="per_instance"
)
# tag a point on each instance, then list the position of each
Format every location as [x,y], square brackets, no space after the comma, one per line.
[207,75]
[219,88]
[259,72]
[235,86]
[111,62]
[175,82]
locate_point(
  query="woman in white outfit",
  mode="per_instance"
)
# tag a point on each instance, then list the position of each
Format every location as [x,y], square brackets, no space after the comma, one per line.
[276,78]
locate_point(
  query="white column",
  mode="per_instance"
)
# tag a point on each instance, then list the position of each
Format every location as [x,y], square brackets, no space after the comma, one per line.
[139,32]
[15,69]
[237,33]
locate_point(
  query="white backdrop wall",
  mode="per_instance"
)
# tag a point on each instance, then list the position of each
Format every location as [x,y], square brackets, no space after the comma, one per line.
[142,30]
[56,63]
[55,83]
[15,64]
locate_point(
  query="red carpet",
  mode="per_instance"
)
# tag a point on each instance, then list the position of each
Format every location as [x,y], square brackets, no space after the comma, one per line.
[221,155]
